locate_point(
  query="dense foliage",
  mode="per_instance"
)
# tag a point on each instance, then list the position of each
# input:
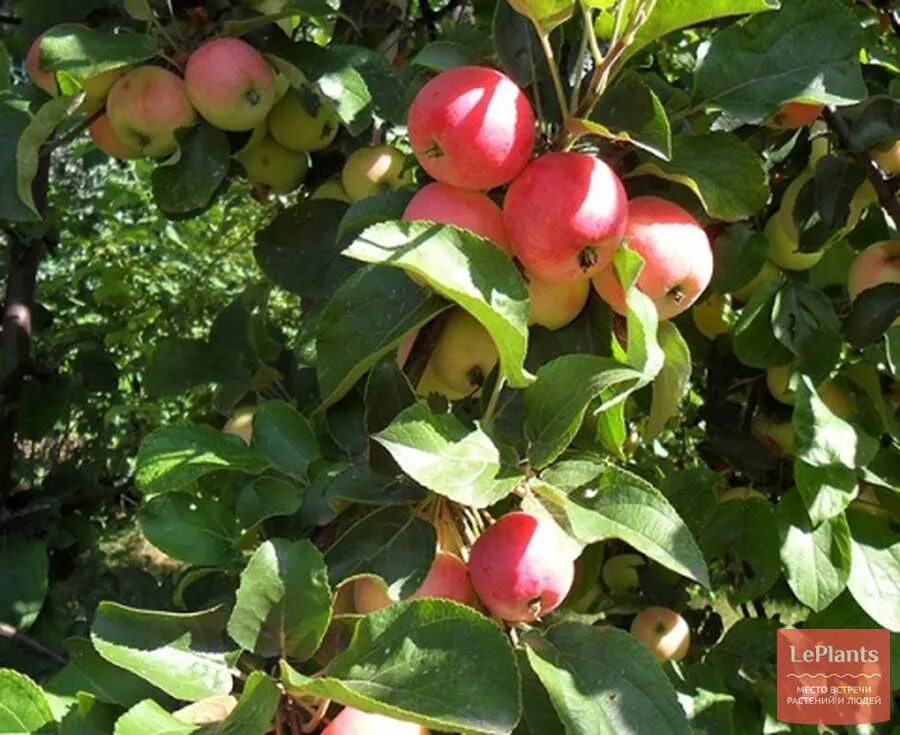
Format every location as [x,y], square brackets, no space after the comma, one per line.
[284,435]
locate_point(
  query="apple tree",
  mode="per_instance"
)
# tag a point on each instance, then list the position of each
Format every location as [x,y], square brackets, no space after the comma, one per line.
[491,367]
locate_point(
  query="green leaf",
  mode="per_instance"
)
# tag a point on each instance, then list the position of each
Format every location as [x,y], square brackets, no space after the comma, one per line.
[545,14]
[177,364]
[189,183]
[671,385]
[89,717]
[23,707]
[804,321]
[824,439]
[14,119]
[23,580]
[255,709]
[754,342]
[381,207]
[442,454]
[873,313]
[630,111]
[336,76]
[808,50]
[285,437]
[642,321]
[741,543]
[556,403]
[463,268]
[391,543]
[267,497]
[283,604]
[173,457]
[299,249]
[725,173]
[816,558]
[146,717]
[387,393]
[181,653]
[191,528]
[604,682]
[83,53]
[670,15]
[443,55]
[436,662]
[875,567]
[28,150]
[618,504]
[826,491]
[86,671]
[384,81]
[367,318]
[740,256]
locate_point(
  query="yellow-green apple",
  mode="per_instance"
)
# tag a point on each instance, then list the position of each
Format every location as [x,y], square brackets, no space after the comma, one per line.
[356,722]
[784,245]
[663,631]
[207,711]
[565,215]
[448,578]
[96,89]
[273,166]
[553,305]
[862,198]
[888,157]
[106,140]
[709,316]
[304,119]
[230,84]
[472,127]
[678,261]
[431,384]
[370,170]
[464,353]
[620,572]
[769,273]
[777,436]
[404,350]
[741,493]
[241,423]
[146,106]
[867,500]
[450,205]
[519,568]
[793,115]
[778,381]
[331,190]
[877,264]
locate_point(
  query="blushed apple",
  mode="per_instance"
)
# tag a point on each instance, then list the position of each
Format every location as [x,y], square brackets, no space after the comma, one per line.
[777,436]
[565,216]
[45,80]
[241,423]
[146,106]
[877,264]
[273,166]
[106,140]
[554,305]
[793,115]
[519,568]
[356,722]
[472,127]
[450,205]
[464,353]
[678,260]
[304,119]
[370,170]
[663,631]
[230,84]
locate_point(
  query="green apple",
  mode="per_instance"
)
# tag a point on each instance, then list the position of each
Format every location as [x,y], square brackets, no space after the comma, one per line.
[464,354]
[709,316]
[769,273]
[778,381]
[430,384]
[304,119]
[778,436]
[620,572]
[370,170]
[273,166]
[741,493]
[783,245]
[331,190]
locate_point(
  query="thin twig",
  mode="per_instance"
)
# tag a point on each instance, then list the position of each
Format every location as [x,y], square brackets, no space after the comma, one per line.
[886,195]
[544,38]
[17,636]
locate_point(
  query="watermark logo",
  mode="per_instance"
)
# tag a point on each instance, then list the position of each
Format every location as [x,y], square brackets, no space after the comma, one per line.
[834,677]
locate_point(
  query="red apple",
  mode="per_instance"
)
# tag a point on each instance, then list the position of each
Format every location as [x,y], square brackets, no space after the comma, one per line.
[877,264]
[106,140]
[450,205]
[678,261]
[146,107]
[355,722]
[230,84]
[519,568]
[565,216]
[663,631]
[472,127]
[794,115]
[448,578]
